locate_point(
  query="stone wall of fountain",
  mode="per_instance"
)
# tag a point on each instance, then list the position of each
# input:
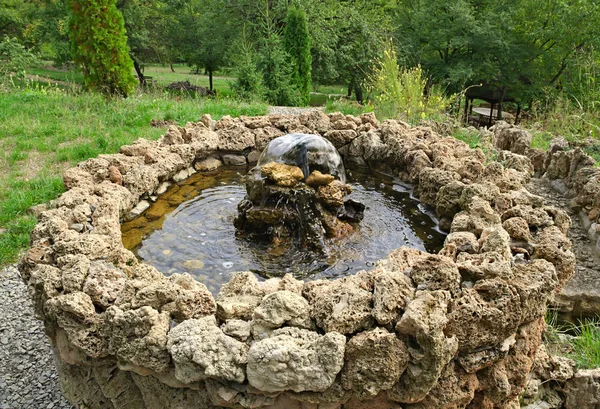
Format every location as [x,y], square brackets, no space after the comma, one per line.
[453,330]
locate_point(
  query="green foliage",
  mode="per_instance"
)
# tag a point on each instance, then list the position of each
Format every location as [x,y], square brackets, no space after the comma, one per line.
[248,84]
[586,345]
[99,46]
[403,93]
[14,60]
[278,74]
[297,44]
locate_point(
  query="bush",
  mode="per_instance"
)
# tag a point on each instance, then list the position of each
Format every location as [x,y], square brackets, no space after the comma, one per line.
[14,59]
[99,46]
[297,44]
[274,63]
[248,84]
[404,93]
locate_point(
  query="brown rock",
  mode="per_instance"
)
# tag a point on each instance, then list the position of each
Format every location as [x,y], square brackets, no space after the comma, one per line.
[114,175]
[333,194]
[374,362]
[424,321]
[281,174]
[208,164]
[316,179]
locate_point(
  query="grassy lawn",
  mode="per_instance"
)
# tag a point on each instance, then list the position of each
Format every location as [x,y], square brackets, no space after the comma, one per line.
[46,130]
[162,76]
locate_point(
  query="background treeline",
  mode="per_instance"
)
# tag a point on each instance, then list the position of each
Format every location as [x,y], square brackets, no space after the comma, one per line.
[281,49]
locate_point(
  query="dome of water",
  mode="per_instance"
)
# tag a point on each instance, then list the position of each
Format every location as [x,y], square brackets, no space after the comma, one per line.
[308,152]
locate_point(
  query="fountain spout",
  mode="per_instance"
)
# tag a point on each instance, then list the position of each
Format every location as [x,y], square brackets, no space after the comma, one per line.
[296,195]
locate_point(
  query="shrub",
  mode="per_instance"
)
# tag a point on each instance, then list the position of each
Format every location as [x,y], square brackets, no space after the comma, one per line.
[274,63]
[99,46]
[248,84]
[404,93]
[297,44]
[14,59]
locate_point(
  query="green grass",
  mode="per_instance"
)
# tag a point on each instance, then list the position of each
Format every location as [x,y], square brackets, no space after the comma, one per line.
[347,107]
[471,138]
[586,345]
[44,130]
[580,342]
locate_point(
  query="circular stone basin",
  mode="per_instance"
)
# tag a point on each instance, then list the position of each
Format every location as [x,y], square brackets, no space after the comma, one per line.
[190,229]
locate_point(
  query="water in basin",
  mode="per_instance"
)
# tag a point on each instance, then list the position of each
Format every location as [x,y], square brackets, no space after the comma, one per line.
[190,229]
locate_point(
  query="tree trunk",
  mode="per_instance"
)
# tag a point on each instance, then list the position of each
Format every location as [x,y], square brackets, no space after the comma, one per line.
[171,65]
[350,86]
[210,79]
[139,72]
[359,94]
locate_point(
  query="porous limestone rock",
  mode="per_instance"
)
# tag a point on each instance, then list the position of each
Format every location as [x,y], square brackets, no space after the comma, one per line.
[518,229]
[281,308]
[555,247]
[484,315]
[392,291]
[455,389]
[76,315]
[374,362]
[512,139]
[139,337]
[238,329]
[497,240]
[583,390]
[316,179]
[434,272]
[342,305]
[208,164]
[282,174]
[103,283]
[239,297]
[192,298]
[158,395]
[424,321]
[431,180]
[460,242]
[478,216]
[201,350]
[295,359]
[332,195]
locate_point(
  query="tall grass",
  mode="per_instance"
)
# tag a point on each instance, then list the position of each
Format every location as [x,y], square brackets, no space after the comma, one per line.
[45,129]
[580,342]
[586,345]
[404,93]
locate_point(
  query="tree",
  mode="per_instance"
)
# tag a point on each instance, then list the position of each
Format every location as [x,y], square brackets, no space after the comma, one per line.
[99,46]
[207,31]
[297,44]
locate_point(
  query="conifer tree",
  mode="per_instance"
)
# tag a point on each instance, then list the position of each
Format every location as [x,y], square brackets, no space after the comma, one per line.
[297,44]
[99,46]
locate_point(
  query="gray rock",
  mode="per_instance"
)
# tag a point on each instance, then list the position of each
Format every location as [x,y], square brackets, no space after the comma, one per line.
[295,359]
[140,208]
[234,160]
[201,350]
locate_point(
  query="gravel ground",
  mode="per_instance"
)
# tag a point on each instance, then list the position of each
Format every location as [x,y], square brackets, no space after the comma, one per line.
[291,110]
[28,377]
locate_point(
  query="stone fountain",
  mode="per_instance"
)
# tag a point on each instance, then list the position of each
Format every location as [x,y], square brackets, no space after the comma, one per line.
[296,195]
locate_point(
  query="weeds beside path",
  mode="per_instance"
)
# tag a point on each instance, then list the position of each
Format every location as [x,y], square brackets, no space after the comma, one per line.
[44,131]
